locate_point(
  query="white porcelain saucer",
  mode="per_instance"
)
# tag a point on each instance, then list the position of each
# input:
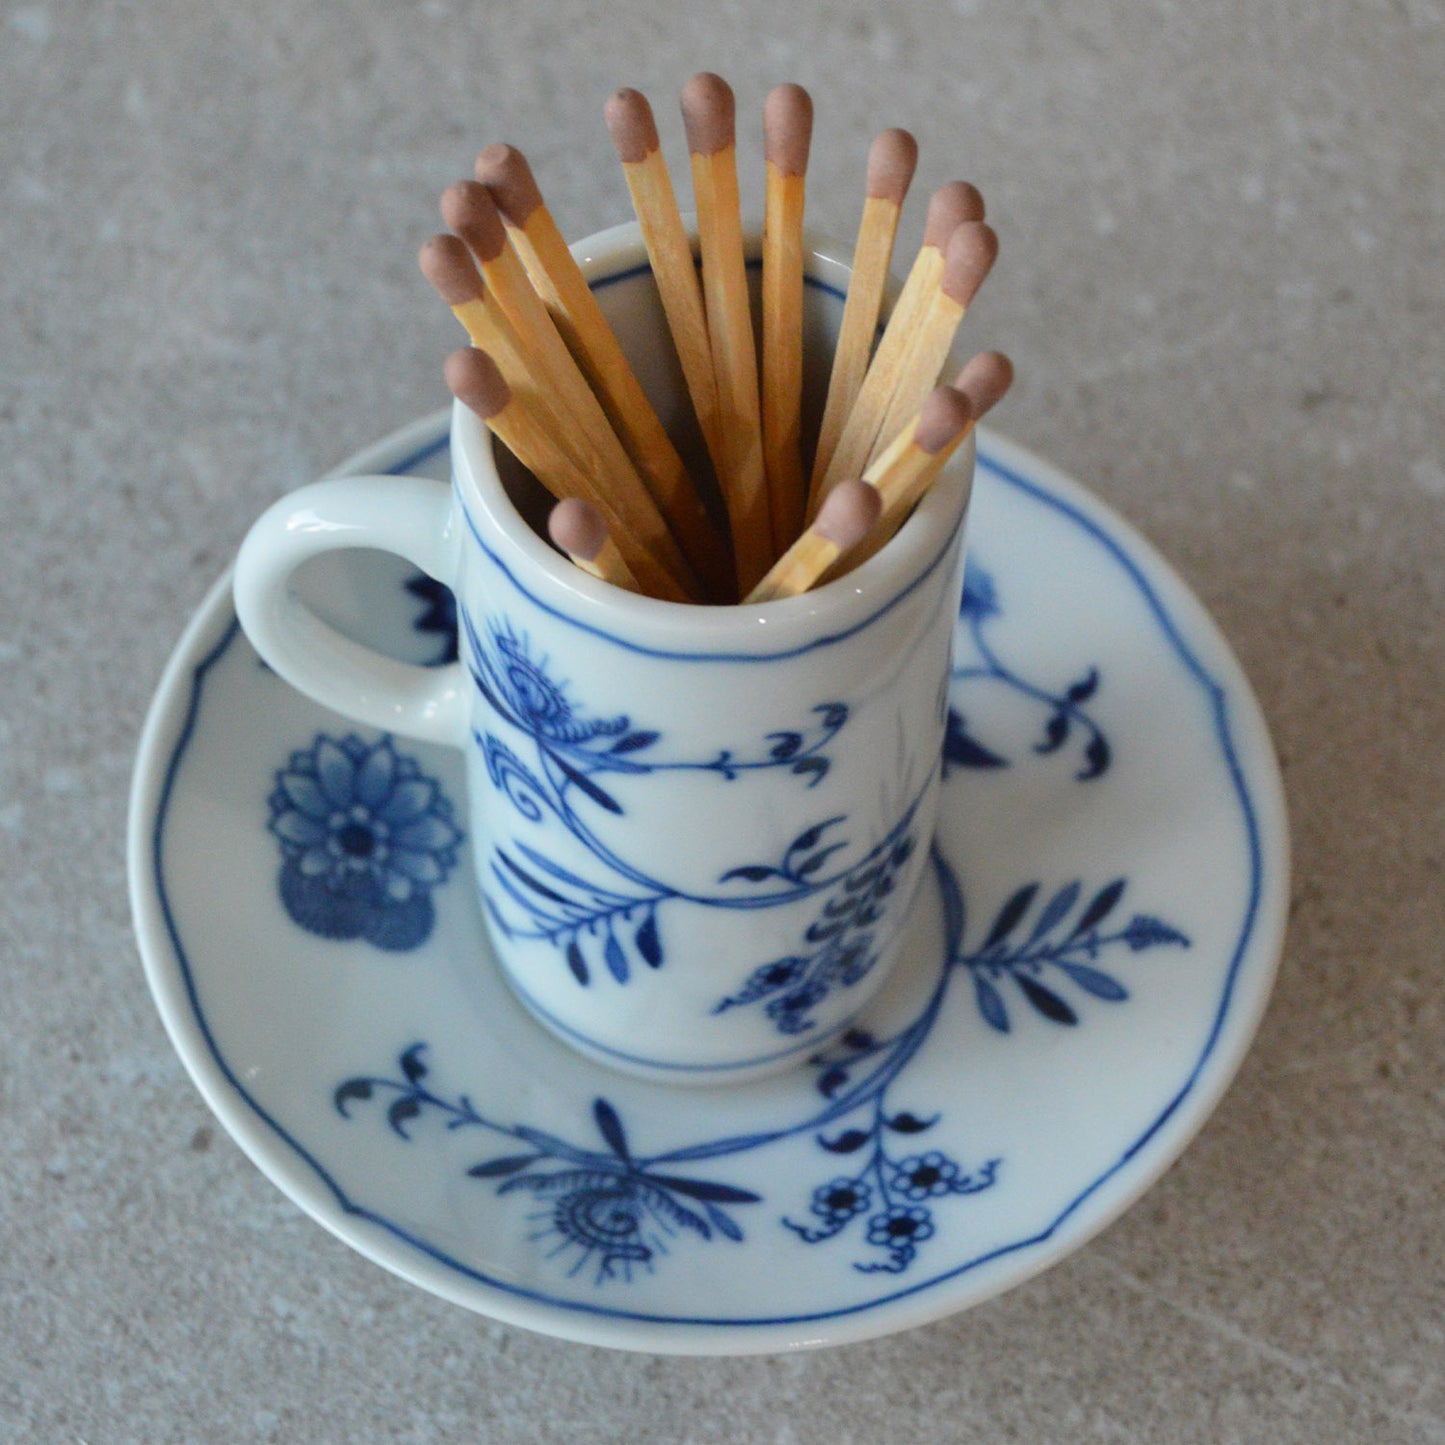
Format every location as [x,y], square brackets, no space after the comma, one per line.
[1088,964]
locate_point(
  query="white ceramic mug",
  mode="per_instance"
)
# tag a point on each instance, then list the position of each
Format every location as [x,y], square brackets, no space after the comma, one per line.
[697,830]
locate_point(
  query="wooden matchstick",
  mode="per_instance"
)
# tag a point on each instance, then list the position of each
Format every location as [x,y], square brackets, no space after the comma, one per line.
[709,111]
[949,208]
[909,467]
[892,159]
[448,265]
[559,280]
[634,133]
[844,520]
[787,135]
[643,538]
[967,259]
[580,530]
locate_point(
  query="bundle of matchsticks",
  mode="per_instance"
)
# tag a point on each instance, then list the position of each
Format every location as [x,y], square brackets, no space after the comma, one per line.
[546,373]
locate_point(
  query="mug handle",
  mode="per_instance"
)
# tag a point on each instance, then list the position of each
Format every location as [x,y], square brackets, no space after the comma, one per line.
[410,516]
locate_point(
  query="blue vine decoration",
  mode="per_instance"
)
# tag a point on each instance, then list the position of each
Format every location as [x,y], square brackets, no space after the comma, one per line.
[1066,720]
[619,1211]
[559,766]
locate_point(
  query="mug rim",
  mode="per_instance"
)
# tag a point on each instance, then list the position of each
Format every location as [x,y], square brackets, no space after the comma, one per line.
[766,629]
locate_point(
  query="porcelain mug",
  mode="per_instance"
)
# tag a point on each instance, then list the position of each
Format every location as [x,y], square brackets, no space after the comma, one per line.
[697,831]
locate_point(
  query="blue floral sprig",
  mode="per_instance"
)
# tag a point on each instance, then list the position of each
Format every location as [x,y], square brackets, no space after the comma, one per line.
[1059,951]
[600,1207]
[1065,715]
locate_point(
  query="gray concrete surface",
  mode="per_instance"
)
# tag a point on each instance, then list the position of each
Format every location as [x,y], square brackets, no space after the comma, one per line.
[1222,281]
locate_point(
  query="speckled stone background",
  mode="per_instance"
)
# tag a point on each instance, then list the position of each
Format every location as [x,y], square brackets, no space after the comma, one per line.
[1224,285]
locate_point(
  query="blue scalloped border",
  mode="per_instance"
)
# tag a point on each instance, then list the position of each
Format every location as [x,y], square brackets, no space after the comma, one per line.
[1219,706]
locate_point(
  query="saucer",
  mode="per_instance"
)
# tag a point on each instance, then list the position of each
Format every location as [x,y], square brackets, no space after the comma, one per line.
[1088,962]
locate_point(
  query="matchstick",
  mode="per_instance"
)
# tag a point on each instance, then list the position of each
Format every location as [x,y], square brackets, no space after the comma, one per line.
[787,135]
[559,280]
[576,422]
[892,158]
[643,538]
[580,530]
[949,208]
[967,260]
[709,111]
[448,265]
[634,133]
[843,521]
[906,470]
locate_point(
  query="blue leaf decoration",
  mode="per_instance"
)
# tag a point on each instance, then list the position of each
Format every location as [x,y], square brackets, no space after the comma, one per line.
[349,1091]
[1097,757]
[1056,732]
[1046,1001]
[1099,908]
[649,945]
[1010,914]
[962,750]
[411,1064]
[705,1189]
[786,746]
[497,1168]
[1085,688]
[846,1142]
[633,742]
[577,963]
[724,1223]
[753,872]
[1096,982]
[598,796]
[615,959]
[400,1112]
[990,1004]
[1055,911]
[906,1123]
[610,1127]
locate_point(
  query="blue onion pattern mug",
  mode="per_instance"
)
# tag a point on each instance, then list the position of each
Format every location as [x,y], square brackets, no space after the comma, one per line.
[697,831]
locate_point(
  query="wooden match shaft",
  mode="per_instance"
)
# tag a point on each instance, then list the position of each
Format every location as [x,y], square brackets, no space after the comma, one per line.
[559,280]
[891,162]
[967,259]
[475,379]
[852,508]
[580,530]
[787,135]
[949,207]
[708,111]
[912,463]
[634,132]
[448,265]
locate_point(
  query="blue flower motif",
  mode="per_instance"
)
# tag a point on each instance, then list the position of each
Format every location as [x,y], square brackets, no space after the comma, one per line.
[900,1227]
[840,1200]
[922,1176]
[365,836]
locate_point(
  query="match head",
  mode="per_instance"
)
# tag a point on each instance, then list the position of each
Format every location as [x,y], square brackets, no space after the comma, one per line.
[577,527]
[788,128]
[945,414]
[985,380]
[475,380]
[949,207]
[629,120]
[967,259]
[448,265]
[850,511]
[892,159]
[709,114]
[504,171]
[469,210]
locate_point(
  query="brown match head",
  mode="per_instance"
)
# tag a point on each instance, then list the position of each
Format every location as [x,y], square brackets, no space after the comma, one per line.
[577,527]
[945,414]
[448,265]
[629,120]
[892,159]
[470,211]
[967,258]
[948,208]
[985,380]
[475,379]
[788,128]
[850,511]
[504,171]
[709,114]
